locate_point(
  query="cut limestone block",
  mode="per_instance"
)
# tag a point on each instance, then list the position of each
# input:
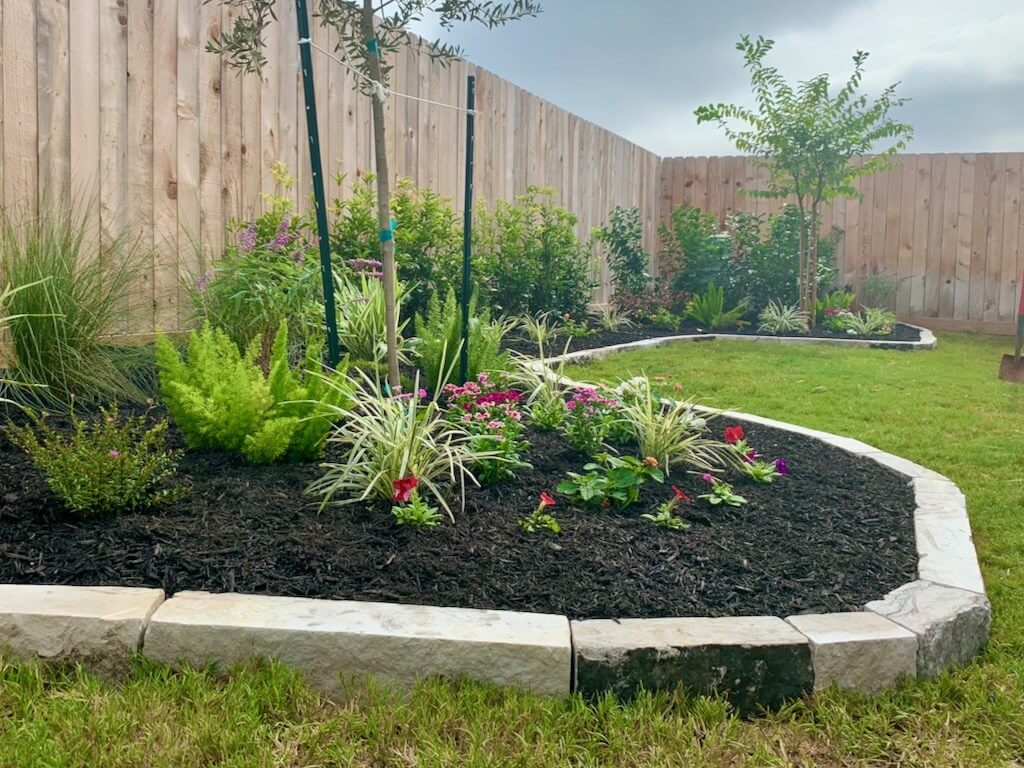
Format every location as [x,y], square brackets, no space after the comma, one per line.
[860,651]
[946,553]
[101,627]
[328,639]
[757,662]
[951,624]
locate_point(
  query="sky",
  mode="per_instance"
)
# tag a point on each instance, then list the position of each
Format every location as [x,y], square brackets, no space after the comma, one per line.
[640,67]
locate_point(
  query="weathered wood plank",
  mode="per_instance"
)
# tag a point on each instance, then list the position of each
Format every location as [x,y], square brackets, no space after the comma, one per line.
[53,78]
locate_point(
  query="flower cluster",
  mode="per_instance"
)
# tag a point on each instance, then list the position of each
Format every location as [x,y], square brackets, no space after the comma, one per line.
[751,464]
[590,419]
[368,268]
[839,321]
[492,413]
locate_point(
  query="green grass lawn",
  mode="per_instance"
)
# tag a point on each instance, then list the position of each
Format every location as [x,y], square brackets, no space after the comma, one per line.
[944,409]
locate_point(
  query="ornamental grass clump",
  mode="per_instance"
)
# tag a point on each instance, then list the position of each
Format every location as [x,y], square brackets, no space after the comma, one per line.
[384,438]
[778,318]
[220,398]
[361,317]
[669,430]
[102,466]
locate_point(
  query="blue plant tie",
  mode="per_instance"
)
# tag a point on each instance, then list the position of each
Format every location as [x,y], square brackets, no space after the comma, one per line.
[373,47]
[394,223]
[387,234]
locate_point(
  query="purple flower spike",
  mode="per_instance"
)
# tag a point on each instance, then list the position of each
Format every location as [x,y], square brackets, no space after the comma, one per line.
[247,238]
[781,467]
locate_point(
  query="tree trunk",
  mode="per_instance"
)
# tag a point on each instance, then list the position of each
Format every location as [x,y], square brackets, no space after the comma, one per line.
[802,269]
[812,262]
[387,245]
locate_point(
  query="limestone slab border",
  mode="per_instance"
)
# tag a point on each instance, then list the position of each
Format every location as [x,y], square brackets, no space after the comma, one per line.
[924,626]
[926,342]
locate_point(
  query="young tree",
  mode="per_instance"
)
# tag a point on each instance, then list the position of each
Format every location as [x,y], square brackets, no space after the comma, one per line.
[368,30]
[807,138]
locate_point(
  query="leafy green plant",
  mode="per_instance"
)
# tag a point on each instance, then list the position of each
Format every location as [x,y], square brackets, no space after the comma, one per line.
[441,340]
[590,419]
[834,300]
[670,431]
[839,321]
[611,480]
[872,322]
[721,493]
[692,252]
[382,439]
[269,275]
[220,398]
[492,413]
[577,329]
[541,329]
[529,258]
[539,519]
[66,298]
[663,320]
[780,319]
[362,323]
[627,258]
[104,466]
[612,320]
[666,516]
[761,471]
[412,509]
[709,310]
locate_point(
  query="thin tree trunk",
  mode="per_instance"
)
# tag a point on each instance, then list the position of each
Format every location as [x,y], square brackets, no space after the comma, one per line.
[802,270]
[812,261]
[387,246]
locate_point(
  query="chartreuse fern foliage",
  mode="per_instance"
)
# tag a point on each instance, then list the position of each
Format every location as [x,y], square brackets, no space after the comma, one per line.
[220,398]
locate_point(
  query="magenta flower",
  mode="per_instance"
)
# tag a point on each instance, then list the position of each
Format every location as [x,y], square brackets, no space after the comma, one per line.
[707,477]
[203,281]
[247,238]
[421,393]
[781,466]
[115,454]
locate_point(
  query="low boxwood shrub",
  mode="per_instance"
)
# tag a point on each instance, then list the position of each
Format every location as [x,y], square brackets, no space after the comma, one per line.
[102,466]
[221,398]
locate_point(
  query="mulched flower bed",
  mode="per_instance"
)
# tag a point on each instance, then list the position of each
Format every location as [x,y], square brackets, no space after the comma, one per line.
[835,533]
[901,333]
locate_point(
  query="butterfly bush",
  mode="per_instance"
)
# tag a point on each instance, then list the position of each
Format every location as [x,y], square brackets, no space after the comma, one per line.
[492,414]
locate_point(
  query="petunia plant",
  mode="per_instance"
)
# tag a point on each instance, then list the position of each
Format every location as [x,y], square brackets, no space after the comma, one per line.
[410,508]
[721,493]
[666,516]
[539,518]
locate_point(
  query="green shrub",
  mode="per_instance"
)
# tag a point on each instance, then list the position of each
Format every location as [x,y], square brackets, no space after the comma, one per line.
[834,300]
[270,274]
[693,254]
[220,397]
[441,340]
[65,299]
[428,238]
[709,310]
[628,261]
[529,260]
[878,289]
[103,466]
[873,322]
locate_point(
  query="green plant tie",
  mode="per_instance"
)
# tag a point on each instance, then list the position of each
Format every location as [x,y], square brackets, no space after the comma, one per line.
[373,46]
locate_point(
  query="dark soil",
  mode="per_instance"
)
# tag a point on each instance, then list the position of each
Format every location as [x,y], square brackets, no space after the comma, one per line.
[900,333]
[834,534]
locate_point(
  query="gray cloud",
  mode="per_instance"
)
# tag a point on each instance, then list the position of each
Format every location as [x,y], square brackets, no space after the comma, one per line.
[640,68]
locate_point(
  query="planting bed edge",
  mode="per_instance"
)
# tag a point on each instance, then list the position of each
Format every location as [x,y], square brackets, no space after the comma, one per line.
[941,619]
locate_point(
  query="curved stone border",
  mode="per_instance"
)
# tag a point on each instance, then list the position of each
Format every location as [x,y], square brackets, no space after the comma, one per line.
[926,342]
[924,626]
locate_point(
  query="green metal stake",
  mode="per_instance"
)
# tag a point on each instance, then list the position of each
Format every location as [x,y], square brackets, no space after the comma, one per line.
[319,197]
[467,229]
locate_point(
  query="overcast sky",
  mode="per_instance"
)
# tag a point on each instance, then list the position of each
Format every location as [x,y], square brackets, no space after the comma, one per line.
[640,67]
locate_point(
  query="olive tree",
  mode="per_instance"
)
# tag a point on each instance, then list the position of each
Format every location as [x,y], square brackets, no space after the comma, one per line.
[368,30]
[808,137]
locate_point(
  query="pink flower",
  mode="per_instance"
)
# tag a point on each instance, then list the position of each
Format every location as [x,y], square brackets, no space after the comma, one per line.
[115,454]
[546,500]
[421,393]
[707,477]
[403,488]
[495,424]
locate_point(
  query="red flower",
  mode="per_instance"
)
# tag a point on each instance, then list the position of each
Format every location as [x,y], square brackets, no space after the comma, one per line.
[734,434]
[680,495]
[546,500]
[403,489]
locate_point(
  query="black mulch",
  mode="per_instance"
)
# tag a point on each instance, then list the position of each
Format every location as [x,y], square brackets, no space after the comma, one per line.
[900,333]
[834,534]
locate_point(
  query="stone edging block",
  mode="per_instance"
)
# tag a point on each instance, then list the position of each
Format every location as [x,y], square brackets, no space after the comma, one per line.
[98,626]
[860,651]
[757,662]
[328,639]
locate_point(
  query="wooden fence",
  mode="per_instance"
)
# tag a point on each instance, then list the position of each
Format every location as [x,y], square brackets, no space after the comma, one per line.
[119,98]
[950,227]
